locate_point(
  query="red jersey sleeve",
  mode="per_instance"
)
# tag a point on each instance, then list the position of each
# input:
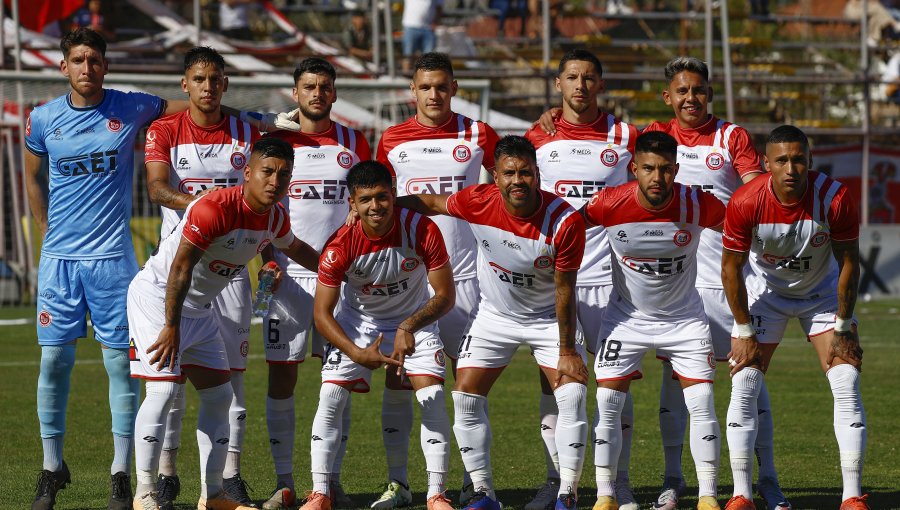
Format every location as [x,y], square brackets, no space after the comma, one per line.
[569,244]
[594,209]
[431,245]
[490,140]
[205,222]
[843,217]
[737,234]
[363,151]
[745,158]
[158,146]
[457,202]
[633,134]
[712,210]
[381,155]
[333,263]
[654,126]
[284,236]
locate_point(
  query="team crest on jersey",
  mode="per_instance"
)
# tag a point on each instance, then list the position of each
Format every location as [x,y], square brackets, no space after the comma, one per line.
[114,124]
[682,238]
[543,262]
[345,159]
[711,360]
[238,160]
[45,319]
[245,348]
[715,161]
[409,264]
[819,239]
[462,153]
[439,358]
[609,157]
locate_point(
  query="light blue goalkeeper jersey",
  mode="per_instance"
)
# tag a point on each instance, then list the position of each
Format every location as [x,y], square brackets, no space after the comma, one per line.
[91,154]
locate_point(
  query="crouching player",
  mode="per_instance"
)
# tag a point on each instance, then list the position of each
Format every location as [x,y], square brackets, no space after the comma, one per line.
[384,258]
[175,335]
[655,227]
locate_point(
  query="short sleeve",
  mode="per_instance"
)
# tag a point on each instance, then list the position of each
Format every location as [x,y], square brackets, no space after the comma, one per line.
[431,247]
[363,151]
[148,106]
[490,143]
[34,134]
[205,222]
[381,155]
[654,126]
[737,234]
[744,156]
[712,210]
[284,236]
[569,244]
[457,202]
[594,210]
[333,265]
[633,134]
[843,217]
[158,147]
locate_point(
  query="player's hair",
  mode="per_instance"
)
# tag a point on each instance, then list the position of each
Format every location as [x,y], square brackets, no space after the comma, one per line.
[315,65]
[82,36]
[582,55]
[516,147]
[203,55]
[657,142]
[690,64]
[433,61]
[270,147]
[788,134]
[368,174]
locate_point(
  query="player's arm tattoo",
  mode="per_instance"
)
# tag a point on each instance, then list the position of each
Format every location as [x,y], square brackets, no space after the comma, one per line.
[35,184]
[734,285]
[565,308]
[444,298]
[179,281]
[847,255]
[160,191]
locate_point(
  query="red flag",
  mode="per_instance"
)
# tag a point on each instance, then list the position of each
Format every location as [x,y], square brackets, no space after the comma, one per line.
[36,15]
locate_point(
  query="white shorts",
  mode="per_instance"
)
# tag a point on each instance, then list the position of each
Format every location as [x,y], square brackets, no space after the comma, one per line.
[770,312]
[289,327]
[201,345]
[591,307]
[493,340]
[232,309]
[624,340]
[428,360]
[718,314]
[456,322]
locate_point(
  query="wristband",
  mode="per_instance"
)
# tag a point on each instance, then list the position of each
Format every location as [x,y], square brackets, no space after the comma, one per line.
[842,325]
[744,330]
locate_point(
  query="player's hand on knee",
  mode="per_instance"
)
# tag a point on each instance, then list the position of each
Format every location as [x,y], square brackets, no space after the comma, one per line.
[745,352]
[846,347]
[165,348]
[571,365]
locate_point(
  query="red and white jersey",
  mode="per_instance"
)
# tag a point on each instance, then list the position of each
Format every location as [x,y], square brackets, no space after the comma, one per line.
[790,245]
[442,159]
[199,157]
[655,252]
[386,277]
[517,257]
[578,161]
[230,235]
[317,197]
[714,157]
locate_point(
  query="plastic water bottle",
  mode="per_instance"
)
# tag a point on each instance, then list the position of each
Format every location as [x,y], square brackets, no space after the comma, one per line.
[264,291]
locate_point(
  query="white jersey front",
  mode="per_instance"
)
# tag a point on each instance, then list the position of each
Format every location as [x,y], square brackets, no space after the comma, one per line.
[386,277]
[578,161]
[517,257]
[317,197]
[714,157]
[200,157]
[655,252]
[441,160]
[230,235]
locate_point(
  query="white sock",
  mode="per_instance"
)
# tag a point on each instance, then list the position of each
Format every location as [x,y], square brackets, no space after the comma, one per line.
[571,434]
[849,425]
[237,420]
[338,464]
[396,426]
[765,434]
[706,438]
[608,442]
[473,435]
[673,418]
[627,430]
[53,456]
[549,418]
[150,428]
[122,457]
[212,436]
[435,436]
[280,422]
[168,459]
[326,433]
[741,430]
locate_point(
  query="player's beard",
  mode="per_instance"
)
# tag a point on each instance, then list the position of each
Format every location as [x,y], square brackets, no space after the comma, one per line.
[315,116]
[657,201]
[579,108]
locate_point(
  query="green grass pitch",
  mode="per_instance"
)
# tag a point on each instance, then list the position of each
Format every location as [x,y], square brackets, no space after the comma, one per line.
[806,451]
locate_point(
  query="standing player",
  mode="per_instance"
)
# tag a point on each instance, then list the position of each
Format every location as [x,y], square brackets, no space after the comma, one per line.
[187,155]
[654,305]
[718,157]
[530,247]
[790,225]
[324,151]
[176,333]
[87,257]
[590,150]
[436,151]
[386,258]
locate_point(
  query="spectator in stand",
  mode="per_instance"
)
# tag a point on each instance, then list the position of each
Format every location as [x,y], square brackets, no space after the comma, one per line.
[891,78]
[357,37]
[233,19]
[419,20]
[93,17]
